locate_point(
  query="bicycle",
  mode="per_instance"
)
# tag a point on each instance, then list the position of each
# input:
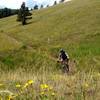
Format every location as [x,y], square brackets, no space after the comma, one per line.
[65,66]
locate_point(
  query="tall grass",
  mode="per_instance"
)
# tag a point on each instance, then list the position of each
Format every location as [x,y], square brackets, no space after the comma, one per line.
[30,52]
[80,86]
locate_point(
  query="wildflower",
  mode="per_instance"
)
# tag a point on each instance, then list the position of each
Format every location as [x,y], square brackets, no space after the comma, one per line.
[30,82]
[10,97]
[42,93]
[86,85]
[18,85]
[53,94]
[44,86]
[26,85]
[50,88]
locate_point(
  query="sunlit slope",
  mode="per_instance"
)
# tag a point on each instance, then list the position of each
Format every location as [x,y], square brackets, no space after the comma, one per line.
[74,26]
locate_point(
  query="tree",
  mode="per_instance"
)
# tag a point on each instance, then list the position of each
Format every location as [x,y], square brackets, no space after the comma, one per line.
[31,9]
[5,12]
[41,6]
[0,13]
[62,1]
[23,14]
[55,2]
[47,5]
[35,7]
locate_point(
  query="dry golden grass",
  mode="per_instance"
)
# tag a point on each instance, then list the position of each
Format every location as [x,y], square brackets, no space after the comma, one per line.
[78,86]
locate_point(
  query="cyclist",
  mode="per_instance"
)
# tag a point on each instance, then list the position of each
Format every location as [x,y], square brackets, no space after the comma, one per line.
[64,58]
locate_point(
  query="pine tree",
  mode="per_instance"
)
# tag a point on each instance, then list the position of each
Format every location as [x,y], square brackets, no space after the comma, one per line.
[55,2]
[35,7]
[23,14]
[47,6]
[41,6]
[62,1]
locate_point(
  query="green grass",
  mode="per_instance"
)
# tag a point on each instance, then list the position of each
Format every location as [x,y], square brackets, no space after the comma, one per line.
[34,48]
[73,26]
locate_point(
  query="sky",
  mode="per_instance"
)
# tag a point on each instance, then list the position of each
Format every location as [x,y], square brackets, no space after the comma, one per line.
[29,3]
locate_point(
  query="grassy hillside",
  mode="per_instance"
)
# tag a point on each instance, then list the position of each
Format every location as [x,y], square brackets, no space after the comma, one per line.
[73,26]
[34,48]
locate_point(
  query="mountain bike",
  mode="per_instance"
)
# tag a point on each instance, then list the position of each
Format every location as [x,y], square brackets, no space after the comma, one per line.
[64,66]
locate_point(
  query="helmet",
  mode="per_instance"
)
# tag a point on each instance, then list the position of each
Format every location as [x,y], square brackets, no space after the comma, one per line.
[61,50]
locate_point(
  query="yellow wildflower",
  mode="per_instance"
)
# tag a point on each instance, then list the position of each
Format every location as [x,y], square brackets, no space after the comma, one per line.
[10,97]
[26,85]
[30,82]
[50,88]
[53,94]
[42,93]
[18,85]
[44,86]
[86,85]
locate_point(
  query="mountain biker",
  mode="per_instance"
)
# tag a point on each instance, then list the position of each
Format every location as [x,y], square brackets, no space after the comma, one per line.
[64,58]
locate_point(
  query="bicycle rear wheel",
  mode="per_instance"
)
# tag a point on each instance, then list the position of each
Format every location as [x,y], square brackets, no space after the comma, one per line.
[65,68]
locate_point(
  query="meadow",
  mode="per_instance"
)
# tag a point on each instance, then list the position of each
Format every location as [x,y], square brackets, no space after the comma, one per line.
[28,54]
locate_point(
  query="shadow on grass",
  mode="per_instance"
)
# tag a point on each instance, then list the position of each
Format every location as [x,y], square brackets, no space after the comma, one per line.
[28,23]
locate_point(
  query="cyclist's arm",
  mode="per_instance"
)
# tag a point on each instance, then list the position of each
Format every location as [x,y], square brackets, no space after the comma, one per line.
[67,55]
[60,57]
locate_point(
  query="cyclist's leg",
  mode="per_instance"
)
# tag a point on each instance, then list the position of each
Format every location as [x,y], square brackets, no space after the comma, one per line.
[67,65]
